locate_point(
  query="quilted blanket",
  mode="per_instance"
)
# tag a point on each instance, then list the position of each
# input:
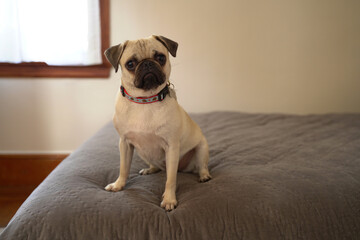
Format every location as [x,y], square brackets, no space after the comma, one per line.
[275,176]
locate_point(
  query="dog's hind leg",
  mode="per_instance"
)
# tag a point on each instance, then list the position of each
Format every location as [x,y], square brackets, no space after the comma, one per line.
[146,171]
[202,160]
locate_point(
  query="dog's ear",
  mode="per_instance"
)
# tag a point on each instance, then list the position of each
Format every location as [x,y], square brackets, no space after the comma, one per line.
[169,44]
[113,54]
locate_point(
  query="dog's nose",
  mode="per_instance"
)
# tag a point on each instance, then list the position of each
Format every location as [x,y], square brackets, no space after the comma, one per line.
[148,64]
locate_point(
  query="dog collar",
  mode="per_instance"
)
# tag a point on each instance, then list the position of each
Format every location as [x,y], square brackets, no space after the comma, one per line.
[145,100]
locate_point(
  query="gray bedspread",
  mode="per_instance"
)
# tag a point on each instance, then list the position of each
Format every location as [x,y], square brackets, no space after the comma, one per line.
[274,177]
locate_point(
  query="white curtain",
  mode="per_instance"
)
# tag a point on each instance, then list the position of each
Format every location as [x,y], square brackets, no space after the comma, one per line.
[58,32]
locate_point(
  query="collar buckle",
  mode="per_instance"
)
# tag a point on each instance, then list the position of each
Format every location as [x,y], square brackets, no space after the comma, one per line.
[161,97]
[122,89]
[162,94]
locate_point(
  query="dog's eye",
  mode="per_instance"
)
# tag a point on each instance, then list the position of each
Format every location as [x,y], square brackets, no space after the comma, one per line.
[130,65]
[161,59]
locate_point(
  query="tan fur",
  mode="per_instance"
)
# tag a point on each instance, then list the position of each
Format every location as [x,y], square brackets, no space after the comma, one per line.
[162,133]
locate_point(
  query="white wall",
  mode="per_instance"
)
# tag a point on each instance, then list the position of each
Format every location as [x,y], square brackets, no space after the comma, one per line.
[299,56]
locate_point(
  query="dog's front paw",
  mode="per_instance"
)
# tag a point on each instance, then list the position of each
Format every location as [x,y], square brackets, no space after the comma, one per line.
[169,201]
[114,187]
[169,204]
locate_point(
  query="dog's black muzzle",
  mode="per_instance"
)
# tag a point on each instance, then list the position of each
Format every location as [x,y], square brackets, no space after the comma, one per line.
[149,75]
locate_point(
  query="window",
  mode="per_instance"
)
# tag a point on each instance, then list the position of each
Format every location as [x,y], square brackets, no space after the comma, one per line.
[54,38]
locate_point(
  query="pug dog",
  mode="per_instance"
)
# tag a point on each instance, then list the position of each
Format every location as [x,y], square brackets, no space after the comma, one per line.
[149,119]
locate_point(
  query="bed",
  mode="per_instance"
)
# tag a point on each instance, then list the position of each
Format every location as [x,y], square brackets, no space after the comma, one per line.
[275,176]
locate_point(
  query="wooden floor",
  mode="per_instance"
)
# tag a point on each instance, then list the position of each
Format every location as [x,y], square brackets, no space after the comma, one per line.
[19,176]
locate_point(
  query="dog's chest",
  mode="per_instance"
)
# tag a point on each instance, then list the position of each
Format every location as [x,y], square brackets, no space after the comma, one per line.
[143,130]
[150,147]
[144,121]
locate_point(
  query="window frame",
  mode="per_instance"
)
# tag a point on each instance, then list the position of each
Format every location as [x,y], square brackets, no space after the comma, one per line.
[42,70]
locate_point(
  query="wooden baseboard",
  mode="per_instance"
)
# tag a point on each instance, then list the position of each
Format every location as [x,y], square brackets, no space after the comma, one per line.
[27,169]
[20,174]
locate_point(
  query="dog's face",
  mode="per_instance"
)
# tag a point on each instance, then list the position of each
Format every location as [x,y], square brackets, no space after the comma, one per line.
[144,63]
